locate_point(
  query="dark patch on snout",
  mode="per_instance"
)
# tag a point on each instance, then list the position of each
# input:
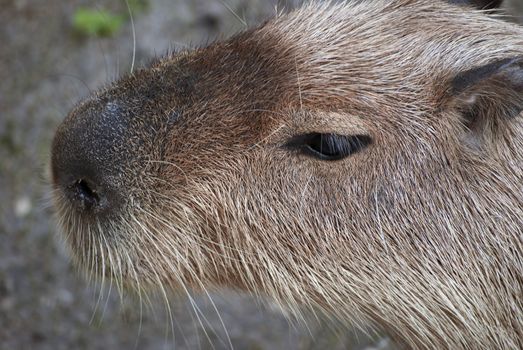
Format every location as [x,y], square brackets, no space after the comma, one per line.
[86,153]
[211,100]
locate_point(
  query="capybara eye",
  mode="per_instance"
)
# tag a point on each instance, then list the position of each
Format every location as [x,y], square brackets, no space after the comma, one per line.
[329,146]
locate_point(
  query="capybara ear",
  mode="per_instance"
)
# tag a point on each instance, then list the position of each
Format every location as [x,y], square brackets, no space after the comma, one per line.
[490,95]
[480,4]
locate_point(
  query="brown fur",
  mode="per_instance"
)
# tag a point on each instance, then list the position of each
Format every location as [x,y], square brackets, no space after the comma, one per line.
[421,232]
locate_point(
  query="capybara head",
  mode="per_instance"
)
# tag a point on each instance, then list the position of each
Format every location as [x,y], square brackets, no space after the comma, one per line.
[363,158]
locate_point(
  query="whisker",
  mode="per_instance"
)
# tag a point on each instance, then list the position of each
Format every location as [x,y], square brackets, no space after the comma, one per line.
[111,266]
[229,341]
[134,35]
[242,21]
[102,285]
[160,284]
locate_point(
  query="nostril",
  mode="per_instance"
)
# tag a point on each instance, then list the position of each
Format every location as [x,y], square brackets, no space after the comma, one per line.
[86,194]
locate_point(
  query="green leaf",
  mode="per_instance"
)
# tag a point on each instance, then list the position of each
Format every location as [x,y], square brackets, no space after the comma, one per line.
[96,22]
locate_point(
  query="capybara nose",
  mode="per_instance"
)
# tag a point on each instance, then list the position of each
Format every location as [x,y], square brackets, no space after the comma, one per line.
[87,160]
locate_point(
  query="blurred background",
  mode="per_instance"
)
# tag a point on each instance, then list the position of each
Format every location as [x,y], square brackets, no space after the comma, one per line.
[52,54]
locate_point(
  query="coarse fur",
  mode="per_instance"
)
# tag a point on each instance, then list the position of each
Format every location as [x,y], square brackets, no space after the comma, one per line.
[421,232]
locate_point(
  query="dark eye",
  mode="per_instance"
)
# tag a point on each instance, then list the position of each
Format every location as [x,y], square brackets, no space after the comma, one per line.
[329,146]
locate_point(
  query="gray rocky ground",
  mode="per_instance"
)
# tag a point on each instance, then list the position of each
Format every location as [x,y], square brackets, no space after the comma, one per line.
[45,67]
